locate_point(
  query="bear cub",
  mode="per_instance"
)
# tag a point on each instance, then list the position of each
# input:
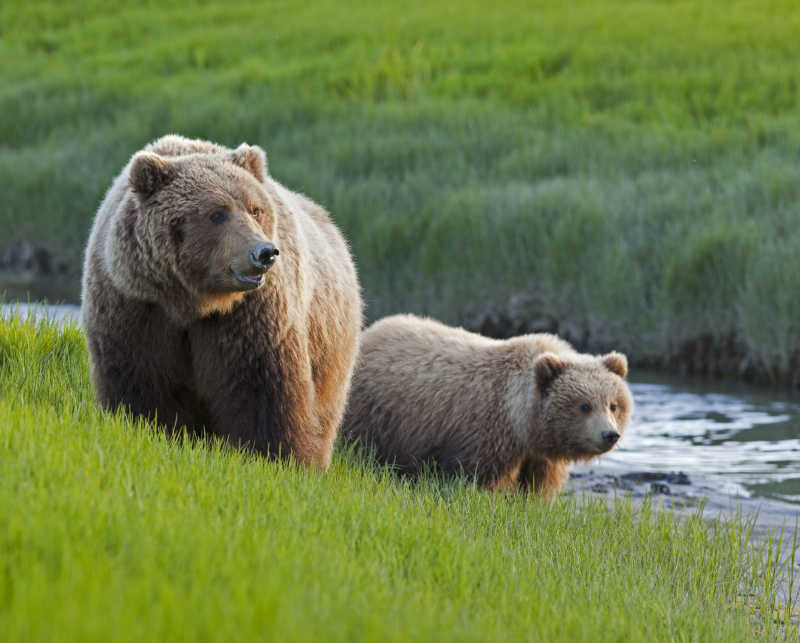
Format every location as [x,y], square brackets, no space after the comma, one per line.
[512,413]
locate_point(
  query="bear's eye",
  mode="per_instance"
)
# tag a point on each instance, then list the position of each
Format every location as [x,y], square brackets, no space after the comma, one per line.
[586,407]
[613,407]
[219,216]
[256,213]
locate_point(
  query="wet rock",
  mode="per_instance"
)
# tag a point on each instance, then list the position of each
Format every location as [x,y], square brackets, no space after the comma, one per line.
[496,325]
[523,312]
[600,487]
[678,478]
[721,354]
[638,477]
[625,484]
[26,256]
[659,488]
[747,369]
[573,333]
[29,271]
[643,476]
[542,325]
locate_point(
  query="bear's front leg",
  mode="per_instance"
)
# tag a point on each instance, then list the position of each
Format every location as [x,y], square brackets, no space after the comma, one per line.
[138,359]
[259,393]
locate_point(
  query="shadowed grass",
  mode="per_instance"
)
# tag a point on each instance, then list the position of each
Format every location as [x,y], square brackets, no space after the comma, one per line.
[109,530]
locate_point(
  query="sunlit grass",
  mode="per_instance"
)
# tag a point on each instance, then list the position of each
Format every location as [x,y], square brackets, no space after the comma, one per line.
[110,531]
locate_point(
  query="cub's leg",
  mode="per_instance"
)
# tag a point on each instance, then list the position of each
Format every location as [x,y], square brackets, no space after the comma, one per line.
[545,477]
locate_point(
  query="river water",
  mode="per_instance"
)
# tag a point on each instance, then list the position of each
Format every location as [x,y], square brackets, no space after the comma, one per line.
[741,441]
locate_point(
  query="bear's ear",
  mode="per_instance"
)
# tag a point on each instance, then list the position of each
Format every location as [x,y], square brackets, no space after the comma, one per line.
[149,173]
[252,158]
[616,363]
[547,368]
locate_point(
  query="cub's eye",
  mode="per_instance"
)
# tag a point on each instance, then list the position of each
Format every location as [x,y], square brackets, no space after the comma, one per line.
[219,216]
[586,407]
[613,407]
[256,213]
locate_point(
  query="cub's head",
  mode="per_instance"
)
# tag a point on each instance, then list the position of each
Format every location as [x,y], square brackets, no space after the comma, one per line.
[586,403]
[205,225]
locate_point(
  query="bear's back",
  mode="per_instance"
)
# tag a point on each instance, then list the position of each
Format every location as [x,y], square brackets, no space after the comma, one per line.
[425,391]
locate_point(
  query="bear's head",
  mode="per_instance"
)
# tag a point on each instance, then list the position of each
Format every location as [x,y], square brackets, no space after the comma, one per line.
[201,227]
[585,403]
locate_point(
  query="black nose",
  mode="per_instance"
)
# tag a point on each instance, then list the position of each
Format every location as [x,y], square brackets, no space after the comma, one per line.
[263,254]
[610,436]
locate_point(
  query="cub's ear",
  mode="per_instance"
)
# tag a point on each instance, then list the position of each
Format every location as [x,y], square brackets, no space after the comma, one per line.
[547,368]
[149,173]
[252,158]
[616,363]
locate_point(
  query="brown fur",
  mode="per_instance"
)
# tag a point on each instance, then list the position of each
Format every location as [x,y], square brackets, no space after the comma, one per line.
[508,412]
[173,334]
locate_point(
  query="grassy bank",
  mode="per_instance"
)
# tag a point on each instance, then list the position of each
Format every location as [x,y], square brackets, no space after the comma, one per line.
[633,167]
[108,531]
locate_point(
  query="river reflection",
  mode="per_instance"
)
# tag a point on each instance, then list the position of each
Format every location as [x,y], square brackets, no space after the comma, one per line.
[747,439]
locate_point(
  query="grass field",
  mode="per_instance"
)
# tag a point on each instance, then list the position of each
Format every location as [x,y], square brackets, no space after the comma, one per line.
[636,166]
[109,531]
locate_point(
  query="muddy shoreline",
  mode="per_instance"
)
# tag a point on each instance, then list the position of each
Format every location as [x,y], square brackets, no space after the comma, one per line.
[31,272]
[724,357]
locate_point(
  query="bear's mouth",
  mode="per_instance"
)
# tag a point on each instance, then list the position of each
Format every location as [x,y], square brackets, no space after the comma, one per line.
[248,282]
[601,449]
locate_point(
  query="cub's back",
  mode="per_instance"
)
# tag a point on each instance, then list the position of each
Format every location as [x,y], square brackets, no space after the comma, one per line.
[421,391]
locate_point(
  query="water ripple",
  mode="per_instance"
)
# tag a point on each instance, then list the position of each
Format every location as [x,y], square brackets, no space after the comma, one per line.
[748,439]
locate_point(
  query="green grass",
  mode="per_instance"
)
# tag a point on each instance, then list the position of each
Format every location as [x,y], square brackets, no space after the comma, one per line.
[110,531]
[632,166]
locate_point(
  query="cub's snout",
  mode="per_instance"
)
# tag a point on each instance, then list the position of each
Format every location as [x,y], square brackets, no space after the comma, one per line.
[610,438]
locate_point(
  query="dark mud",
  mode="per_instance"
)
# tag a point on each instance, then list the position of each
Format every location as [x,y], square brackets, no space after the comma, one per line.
[721,357]
[31,272]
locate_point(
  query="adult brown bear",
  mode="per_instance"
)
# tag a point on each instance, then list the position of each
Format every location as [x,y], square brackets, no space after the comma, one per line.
[214,297]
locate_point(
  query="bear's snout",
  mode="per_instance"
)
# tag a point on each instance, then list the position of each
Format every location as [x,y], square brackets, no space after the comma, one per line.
[263,255]
[610,437]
